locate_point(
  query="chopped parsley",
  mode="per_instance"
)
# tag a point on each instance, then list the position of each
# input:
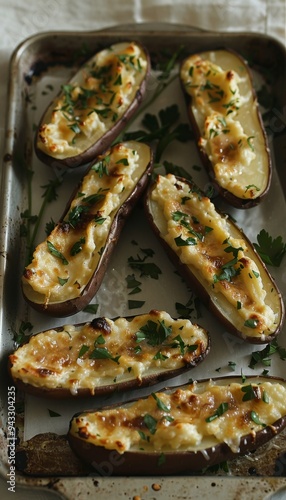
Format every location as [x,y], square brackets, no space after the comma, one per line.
[153,333]
[223,407]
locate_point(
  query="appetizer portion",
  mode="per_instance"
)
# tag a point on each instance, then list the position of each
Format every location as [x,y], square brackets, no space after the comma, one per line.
[94,106]
[216,258]
[224,113]
[183,429]
[68,267]
[105,355]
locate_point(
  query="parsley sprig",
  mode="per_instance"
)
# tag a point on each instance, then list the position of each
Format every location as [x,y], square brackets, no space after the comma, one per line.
[271,250]
[162,130]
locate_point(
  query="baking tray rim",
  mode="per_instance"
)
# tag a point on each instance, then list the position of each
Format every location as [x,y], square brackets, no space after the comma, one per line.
[61,485]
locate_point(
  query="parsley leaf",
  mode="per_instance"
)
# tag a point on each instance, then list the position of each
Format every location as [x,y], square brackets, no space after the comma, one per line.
[154,333]
[270,250]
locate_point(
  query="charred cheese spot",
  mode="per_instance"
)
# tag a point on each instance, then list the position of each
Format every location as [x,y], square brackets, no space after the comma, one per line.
[188,426]
[94,101]
[67,357]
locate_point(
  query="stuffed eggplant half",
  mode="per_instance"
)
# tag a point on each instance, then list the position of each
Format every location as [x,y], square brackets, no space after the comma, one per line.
[223,109]
[68,267]
[105,355]
[183,429]
[216,259]
[93,107]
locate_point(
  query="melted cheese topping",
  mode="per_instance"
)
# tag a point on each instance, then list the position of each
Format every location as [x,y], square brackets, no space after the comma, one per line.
[93,101]
[64,263]
[202,240]
[105,352]
[222,105]
[192,418]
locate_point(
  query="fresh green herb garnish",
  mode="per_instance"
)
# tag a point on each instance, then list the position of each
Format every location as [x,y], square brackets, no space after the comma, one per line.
[146,268]
[223,407]
[135,304]
[162,130]
[228,270]
[154,333]
[24,331]
[103,353]
[53,413]
[249,392]
[271,250]
[251,323]
[150,423]
[263,356]
[160,403]
[84,348]
[255,418]
[52,249]
[101,167]
[91,308]
[62,281]
[77,247]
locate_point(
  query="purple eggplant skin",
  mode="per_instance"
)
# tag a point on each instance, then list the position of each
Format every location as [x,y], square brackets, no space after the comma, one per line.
[225,194]
[143,463]
[104,142]
[73,306]
[198,287]
[64,392]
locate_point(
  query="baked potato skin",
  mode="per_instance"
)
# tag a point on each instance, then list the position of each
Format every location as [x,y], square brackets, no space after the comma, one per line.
[144,463]
[31,369]
[104,141]
[201,290]
[72,306]
[169,463]
[226,194]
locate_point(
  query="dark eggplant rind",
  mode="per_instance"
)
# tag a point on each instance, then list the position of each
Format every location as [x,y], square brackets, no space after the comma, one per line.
[216,259]
[181,430]
[68,267]
[227,124]
[104,355]
[93,107]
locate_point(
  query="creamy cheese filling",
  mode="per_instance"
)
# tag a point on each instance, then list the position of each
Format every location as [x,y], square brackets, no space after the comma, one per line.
[93,101]
[107,351]
[192,418]
[63,264]
[201,238]
[221,109]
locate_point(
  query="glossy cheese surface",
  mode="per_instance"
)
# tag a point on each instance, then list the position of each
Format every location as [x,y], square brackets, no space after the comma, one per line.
[191,418]
[201,237]
[107,351]
[226,114]
[93,101]
[63,264]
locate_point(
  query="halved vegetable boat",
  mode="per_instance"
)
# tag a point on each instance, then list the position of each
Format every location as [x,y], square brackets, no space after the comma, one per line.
[93,107]
[224,113]
[68,267]
[216,259]
[105,355]
[184,429]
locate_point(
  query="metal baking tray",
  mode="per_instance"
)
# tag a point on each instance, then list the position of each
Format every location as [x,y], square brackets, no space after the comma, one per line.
[38,66]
